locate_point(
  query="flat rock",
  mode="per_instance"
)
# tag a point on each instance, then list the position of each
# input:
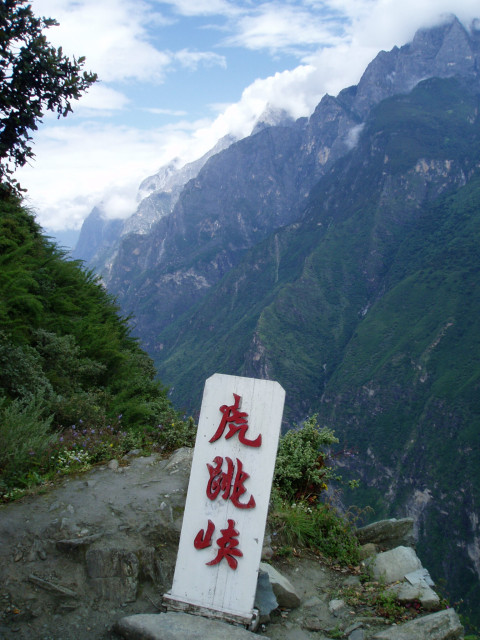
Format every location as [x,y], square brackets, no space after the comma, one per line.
[336,606]
[395,564]
[178,626]
[406,592]
[181,459]
[420,576]
[388,533]
[283,589]
[443,625]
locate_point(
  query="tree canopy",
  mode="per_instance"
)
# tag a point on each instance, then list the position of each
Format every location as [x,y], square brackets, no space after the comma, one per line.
[35,77]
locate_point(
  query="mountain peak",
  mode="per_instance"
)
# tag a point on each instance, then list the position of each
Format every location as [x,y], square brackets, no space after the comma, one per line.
[272,117]
[444,50]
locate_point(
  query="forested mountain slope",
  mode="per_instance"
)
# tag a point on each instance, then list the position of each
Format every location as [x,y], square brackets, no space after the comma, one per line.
[366,309]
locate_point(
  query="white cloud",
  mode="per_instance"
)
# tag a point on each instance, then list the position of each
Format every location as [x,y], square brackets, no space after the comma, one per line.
[77,167]
[165,112]
[193,59]
[203,7]
[99,97]
[275,26]
[111,34]
[79,164]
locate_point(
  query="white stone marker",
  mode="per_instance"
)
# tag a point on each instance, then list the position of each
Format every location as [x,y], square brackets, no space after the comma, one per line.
[227,501]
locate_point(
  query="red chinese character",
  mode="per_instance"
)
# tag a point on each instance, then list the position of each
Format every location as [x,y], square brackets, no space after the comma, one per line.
[228,544]
[236,424]
[233,489]
[204,539]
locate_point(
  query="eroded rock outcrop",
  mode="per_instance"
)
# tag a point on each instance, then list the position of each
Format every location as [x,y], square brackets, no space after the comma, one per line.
[92,558]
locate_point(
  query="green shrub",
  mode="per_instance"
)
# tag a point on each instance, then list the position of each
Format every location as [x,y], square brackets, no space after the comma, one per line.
[302,472]
[177,433]
[24,436]
[301,468]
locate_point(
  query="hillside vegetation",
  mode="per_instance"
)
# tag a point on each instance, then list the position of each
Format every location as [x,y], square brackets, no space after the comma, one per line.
[75,387]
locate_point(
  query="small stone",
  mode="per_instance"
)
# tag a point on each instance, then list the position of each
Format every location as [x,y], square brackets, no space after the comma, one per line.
[420,576]
[335,606]
[312,602]
[312,623]
[352,627]
[283,589]
[133,452]
[113,465]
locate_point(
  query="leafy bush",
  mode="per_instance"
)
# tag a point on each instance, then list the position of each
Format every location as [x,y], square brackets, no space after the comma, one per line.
[301,468]
[63,340]
[301,476]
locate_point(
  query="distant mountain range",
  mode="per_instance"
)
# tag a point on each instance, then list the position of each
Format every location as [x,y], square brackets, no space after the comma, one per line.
[339,255]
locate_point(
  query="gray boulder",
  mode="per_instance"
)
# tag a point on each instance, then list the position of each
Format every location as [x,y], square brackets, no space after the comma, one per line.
[443,625]
[394,565]
[283,589]
[178,626]
[388,533]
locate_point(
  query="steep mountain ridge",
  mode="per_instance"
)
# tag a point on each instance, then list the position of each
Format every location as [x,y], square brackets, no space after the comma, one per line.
[260,184]
[100,235]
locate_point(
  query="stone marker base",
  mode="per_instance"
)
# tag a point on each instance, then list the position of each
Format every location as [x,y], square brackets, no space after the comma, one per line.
[176,604]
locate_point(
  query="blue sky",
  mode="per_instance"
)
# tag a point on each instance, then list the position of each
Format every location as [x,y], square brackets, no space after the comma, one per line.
[177,75]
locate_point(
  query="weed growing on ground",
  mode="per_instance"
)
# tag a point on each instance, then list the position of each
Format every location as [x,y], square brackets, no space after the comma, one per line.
[83,445]
[316,526]
[374,597]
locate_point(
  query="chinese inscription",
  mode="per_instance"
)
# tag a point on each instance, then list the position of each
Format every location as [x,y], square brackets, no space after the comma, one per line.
[229,484]
[224,481]
[236,422]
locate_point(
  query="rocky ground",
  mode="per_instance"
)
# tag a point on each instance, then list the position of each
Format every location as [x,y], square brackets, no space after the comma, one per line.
[78,561]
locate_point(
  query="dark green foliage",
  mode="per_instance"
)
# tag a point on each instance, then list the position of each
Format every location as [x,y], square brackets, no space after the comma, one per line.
[318,526]
[301,469]
[67,356]
[34,77]
[25,434]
